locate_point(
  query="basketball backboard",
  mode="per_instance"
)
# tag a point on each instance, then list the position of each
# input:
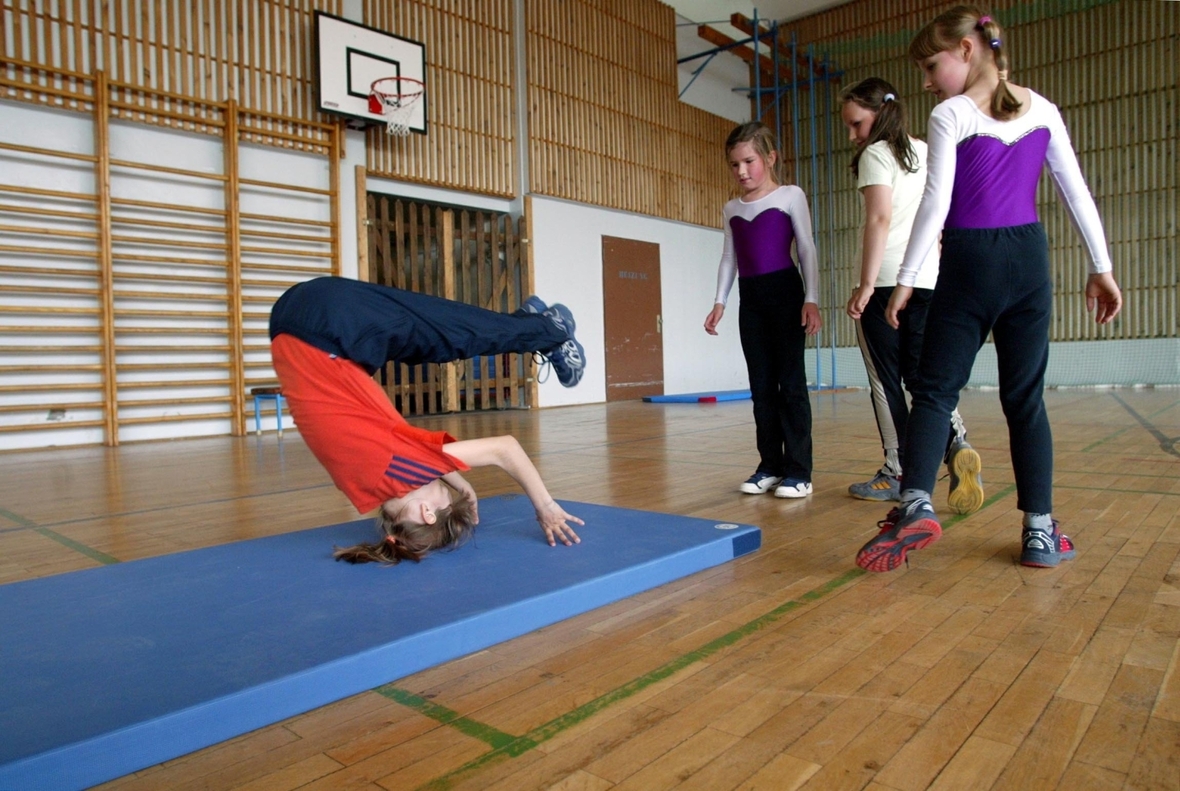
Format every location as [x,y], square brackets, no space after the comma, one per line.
[351,56]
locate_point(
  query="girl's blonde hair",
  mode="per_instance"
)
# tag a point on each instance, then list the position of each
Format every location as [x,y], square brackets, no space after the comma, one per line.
[964,21]
[757,133]
[413,541]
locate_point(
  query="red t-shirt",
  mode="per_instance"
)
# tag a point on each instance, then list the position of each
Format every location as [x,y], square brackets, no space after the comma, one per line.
[369,450]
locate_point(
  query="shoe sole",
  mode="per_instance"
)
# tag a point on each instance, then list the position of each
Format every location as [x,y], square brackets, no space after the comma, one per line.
[796,496]
[967,497]
[1044,560]
[575,371]
[886,552]
[876,496]
[753,490]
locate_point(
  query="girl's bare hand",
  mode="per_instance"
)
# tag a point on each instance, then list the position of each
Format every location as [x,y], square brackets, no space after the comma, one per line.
[555,522]
[810,319]
[1103,293]
[714,318]
[897,303]
[857,302]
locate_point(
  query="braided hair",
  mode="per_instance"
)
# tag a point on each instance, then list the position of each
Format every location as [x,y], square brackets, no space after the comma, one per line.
[951,27]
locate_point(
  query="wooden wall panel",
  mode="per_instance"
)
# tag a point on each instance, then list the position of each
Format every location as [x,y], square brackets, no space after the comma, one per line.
[161,55]
[470,141]
[1112,69]
[605,124]
[144,300]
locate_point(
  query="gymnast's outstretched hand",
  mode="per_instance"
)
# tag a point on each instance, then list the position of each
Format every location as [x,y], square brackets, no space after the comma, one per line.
[505,452]
[554,521]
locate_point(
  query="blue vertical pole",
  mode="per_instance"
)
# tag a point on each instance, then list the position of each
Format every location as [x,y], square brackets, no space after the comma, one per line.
[757,73]
[815,223]
[831,216]
[778,118]
[795,103]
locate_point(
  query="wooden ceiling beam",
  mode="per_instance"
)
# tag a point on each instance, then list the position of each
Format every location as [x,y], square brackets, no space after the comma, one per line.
[765,63]
[746,25]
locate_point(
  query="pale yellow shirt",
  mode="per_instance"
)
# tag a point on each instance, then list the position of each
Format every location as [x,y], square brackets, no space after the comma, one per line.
[878,166]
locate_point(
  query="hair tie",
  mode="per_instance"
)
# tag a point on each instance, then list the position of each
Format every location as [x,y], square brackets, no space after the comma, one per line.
[888,98]
[995,42]
[983,20]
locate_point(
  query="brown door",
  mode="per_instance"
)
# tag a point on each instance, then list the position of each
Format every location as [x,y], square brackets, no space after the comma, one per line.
[634,340]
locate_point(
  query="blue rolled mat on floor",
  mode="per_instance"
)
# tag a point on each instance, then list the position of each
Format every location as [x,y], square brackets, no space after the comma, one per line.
[696,398]
[107,671]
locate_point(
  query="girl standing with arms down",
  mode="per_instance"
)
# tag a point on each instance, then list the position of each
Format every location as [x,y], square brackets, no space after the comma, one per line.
[779,307]
[989,140]
[890,171]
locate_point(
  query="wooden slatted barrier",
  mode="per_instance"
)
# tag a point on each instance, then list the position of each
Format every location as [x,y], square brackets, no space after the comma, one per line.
[467,255]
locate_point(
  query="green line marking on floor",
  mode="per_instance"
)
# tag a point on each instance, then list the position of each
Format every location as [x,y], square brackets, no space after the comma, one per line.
[66,541]
[522,744]
[516,746]
[441,714]
[16,518]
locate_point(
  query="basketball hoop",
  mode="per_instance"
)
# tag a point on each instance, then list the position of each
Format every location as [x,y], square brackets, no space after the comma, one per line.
[395,98]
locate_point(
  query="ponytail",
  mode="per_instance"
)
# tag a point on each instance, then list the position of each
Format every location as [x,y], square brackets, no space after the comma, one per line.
[951,27]
[405,540]
[880,98]
[1004,104]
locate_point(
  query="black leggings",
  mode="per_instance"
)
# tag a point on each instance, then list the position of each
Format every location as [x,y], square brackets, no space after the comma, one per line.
[773,341]
[891,361]
[372,324]
[990,280]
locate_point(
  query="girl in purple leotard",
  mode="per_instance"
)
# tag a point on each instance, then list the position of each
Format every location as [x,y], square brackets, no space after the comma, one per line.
[779,307]
[988,142]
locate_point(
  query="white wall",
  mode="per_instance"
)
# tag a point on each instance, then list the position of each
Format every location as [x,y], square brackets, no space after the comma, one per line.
[567,256]
[713,88]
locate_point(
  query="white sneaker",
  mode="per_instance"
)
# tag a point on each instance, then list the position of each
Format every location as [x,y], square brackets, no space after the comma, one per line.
[793,488]
[759,483]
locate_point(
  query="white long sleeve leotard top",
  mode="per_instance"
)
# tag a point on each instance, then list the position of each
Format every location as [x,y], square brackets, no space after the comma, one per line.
[983,173]
[758,237]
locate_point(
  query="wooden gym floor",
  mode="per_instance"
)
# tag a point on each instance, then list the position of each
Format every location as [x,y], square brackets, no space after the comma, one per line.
[785,669]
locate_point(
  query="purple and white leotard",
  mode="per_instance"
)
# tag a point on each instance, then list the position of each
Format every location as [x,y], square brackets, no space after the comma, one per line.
[983,173]
[758,237]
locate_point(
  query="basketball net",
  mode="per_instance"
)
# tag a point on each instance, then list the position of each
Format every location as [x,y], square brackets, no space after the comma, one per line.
[394,98]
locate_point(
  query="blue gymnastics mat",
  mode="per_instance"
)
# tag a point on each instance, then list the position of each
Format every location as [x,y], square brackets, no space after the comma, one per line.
[697,398]
[110,670]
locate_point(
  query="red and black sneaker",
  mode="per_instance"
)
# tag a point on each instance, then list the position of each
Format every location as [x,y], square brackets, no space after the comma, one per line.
[1043,550]
[911,526]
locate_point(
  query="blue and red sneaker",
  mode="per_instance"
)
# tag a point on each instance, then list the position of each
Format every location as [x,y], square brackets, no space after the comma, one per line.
[910,526]
[1045,550]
